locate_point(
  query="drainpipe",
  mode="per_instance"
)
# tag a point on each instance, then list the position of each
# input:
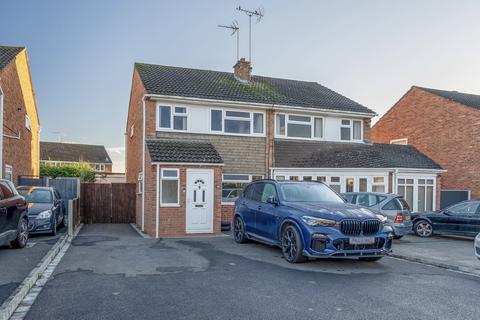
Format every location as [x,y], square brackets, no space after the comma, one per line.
[143,164]
[157,206]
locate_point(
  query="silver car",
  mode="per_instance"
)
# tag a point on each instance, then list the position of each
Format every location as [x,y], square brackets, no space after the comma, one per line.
[477,246]
[393,206]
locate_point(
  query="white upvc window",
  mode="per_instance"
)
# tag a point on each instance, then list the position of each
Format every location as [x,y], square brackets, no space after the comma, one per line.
[237,122]
[233,184]
[170,187]
[9,172]
[351,130]
[172,118]
[299,126]
[27,122]
[99,167]
[419,192]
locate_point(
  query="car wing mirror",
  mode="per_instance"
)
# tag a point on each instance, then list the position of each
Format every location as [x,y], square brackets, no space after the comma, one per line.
[272,200]
[446,212]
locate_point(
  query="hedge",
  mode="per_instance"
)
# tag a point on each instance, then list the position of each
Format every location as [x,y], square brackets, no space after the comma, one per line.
[83,170]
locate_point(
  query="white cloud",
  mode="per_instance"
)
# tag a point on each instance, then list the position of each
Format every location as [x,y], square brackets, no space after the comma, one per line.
[117,154]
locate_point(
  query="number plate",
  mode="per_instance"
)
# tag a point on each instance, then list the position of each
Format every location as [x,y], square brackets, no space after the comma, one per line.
[362,240]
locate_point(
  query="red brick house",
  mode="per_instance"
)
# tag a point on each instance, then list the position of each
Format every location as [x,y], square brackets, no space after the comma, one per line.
[195,138]
[20,125]
[444,125]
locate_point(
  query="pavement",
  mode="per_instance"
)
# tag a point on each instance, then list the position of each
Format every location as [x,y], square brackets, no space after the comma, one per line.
[16,264]
[110,272]
[454,253]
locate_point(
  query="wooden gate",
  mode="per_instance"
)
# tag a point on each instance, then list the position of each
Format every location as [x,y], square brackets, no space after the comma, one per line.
[108,202]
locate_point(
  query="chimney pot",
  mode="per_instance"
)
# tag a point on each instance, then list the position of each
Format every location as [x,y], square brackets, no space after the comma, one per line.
[243,70]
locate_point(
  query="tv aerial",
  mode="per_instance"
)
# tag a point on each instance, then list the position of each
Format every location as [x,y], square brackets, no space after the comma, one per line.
[259,13]
[235,30]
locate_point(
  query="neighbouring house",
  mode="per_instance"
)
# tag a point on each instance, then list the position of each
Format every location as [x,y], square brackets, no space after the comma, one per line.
[58,153]
[195,138]
[445,126]
[20,125]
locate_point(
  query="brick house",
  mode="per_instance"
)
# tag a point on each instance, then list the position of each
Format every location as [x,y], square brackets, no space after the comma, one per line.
[20,129]
[195,138]
[445,126]
[57,153]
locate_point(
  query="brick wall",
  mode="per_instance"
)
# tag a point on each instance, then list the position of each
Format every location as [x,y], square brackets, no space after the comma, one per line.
[445,131]
[20,145]
[367,130]
[172,221]
[133,143]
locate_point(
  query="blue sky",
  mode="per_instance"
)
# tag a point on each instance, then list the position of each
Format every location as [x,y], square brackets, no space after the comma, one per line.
[82,52]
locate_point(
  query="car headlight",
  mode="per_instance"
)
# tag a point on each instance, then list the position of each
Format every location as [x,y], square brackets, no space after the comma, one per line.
[382,219]
[318,222]
[45,214]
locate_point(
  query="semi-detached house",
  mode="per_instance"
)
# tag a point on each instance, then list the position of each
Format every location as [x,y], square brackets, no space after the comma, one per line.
[194,138]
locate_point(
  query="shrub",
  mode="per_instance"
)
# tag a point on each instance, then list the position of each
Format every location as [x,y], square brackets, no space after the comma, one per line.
[83,170]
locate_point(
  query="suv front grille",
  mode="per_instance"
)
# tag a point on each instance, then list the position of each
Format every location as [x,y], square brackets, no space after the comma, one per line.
[356,227]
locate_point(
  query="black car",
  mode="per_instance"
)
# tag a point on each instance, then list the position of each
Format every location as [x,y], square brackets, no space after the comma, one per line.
[45,209]
[13,216]
[462,218]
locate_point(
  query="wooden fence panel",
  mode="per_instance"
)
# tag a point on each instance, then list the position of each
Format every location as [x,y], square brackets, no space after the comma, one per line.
[108,202]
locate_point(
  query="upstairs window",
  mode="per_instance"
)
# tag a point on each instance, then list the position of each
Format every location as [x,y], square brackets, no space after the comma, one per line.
[172,118]
[351,130]
[299,126]
[27,122]
[237,122]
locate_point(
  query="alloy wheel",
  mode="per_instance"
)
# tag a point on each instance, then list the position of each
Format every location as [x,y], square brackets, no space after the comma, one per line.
[23,234]
[424,229]
[289,244]
[238,230]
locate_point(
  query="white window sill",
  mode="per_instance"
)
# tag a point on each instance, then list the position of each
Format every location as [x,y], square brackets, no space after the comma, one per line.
[169,206]
[228,203]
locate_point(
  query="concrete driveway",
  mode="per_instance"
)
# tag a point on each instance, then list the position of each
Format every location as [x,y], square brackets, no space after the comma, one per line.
[16,264]
[448,252]
[110,272]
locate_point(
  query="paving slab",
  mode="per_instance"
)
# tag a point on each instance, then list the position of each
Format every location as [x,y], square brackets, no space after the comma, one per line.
[455,253]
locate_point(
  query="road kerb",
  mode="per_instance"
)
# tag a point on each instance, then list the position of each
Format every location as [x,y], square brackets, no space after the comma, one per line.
[12,302]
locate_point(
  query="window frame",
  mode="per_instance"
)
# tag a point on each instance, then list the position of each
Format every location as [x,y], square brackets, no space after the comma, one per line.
[8,170]
[28,123]
[414,205]
[311,123]
[162,178]
[351,127]
[233,118]
[173,114]
[250,179]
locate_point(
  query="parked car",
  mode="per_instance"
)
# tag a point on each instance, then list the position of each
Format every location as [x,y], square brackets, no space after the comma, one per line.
[462,218]
[13,216]
[393,206]
[45,209]
[308,219]
[477,246]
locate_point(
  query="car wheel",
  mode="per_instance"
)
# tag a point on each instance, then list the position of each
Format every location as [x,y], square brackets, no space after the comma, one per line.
[54,228]
[22,234]
[239,230]
[292,245]
[370,259]
[423,229]
[397,237]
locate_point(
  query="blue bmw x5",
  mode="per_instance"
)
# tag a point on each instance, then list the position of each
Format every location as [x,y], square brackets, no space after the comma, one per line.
[308,219]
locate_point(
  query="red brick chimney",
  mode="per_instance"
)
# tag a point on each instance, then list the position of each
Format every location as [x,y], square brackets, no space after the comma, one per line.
[242,70]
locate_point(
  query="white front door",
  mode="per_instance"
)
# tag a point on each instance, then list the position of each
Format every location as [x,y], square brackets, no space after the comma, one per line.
[199,201]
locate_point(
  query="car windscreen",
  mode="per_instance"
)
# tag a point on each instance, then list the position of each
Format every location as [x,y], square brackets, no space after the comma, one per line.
[309,192]
[36,195]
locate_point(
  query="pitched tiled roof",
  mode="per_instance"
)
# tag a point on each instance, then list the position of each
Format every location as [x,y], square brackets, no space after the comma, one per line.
[207,84]
[306,154]
[186,151]
[7,54]
[72,152]
[467,99]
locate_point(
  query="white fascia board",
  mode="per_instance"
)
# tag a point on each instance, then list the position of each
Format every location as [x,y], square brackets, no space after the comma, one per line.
[186,164]
[229,103]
